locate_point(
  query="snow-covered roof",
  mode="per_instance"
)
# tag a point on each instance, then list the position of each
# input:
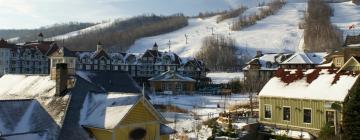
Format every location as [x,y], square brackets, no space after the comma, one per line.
[39,87]
[306,58]
[18,117]
[171,76]
[268,61]
[106,110]
[319,89]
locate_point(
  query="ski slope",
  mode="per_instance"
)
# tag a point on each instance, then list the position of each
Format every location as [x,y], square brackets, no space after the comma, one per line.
[276,33]
[83,31]
[345,15]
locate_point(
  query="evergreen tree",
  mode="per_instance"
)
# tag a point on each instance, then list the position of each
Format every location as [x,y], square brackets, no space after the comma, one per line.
[351,114]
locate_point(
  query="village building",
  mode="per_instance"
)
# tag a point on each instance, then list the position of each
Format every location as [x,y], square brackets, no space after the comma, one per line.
[173,82]
[262,68]
[353,64]
[352,41]
[140,66]
[27,58]
[77,106]
[304,102]
[303,60]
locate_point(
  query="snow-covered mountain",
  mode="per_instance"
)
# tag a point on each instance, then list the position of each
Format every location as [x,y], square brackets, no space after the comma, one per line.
[276,33]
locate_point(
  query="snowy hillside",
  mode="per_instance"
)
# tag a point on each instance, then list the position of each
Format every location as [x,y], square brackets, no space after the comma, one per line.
[273,34]
[347,14]
[83,31]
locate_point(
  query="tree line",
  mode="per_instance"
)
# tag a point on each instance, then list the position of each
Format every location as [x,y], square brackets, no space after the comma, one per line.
[52,30]
[219,53]
[269,9]
[231,14]
[319,33]
[122,34]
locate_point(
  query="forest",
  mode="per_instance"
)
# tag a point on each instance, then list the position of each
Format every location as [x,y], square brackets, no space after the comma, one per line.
[319,33]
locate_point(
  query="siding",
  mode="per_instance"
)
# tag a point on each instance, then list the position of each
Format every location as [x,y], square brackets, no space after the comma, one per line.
[138,117]
[101,134]
[318,115]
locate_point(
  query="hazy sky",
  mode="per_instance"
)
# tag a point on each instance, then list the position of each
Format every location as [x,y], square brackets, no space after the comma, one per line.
[36,13]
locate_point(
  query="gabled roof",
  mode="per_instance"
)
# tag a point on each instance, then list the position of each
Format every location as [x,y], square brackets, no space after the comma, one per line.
[63,52]
[105,111]
[46,47]
[152,53]
[306,58]
[171,76]
[26,117]
[322,88]
[355,59]
[268,61]
[101,53]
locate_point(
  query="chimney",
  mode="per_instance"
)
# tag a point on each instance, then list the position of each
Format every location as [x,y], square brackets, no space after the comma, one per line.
[99,46]
[155,47]
[259,54]
[41,36]
[61,78]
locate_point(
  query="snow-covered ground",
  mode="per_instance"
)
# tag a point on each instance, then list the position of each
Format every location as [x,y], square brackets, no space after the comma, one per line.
[345,15]
[275,33]
[203,106]
[224,77]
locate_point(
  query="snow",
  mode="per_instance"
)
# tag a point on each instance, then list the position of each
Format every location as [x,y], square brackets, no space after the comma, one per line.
[224,77]
[345,15]
[293,134]
[202,106]
[276,33]
[106,110]
[306,58]
[84,31]
[27,85]
[24,123]
[319,89]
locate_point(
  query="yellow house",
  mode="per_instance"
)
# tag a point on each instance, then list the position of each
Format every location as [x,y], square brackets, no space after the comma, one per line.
[353,64]
[123,117]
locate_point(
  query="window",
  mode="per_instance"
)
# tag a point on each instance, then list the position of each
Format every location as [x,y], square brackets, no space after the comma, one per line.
[137,134]
[286,113]
[330,115]
[88,67]
[267,112]
[307,115]
[116,68]
[179,87]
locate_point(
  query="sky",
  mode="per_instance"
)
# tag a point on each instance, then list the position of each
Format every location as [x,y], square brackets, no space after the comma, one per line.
[20,14]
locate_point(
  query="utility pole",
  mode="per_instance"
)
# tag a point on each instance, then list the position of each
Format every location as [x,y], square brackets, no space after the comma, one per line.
[186,39]
[212,30]
[229,28]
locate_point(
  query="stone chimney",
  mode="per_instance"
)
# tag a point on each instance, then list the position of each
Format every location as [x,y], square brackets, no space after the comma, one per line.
[99,46]
[61,78]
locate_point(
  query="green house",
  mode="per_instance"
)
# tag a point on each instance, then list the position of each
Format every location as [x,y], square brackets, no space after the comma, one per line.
[306,103]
